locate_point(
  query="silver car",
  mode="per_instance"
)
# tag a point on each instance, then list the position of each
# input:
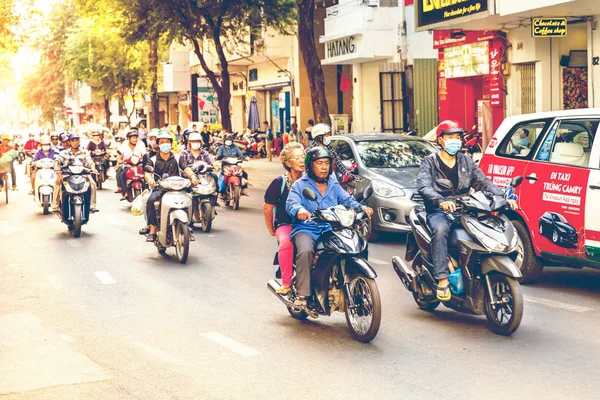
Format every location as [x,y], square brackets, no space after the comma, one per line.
[389,163]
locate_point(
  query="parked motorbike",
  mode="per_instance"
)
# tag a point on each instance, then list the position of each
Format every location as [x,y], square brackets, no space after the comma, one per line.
[135,182]
[74,206]
[173,213]
[232,173]
[44,184]
[217,142]
[341,278]
[256,146]
[483,245]
[204,197]
[99,157]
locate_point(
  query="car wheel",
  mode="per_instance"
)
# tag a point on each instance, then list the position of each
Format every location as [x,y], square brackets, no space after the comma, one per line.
[555,236]
[531,267]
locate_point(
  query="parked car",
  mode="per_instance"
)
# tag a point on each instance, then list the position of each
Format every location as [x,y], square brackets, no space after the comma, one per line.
[556,228]
[389,164]
[557,154]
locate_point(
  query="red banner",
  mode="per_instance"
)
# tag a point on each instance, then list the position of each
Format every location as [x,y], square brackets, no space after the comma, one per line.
[443,39]
[496,96]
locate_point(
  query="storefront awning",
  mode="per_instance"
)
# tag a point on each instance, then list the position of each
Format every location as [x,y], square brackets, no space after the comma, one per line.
[270,86]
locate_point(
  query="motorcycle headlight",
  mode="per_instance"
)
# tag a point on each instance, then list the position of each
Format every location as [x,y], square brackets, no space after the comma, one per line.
[203,189]
[346,217]
[46,174]
[487,242]
[175,184]
[76,169]
[384,189]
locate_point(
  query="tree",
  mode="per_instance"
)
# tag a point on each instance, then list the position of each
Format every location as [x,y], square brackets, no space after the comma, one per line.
[312,63]
[222,24]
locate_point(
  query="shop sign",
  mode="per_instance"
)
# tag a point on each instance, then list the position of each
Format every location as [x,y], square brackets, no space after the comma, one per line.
[548,27]
[434,12]
[496,97]
[467,60]
[341,47]
[443,38]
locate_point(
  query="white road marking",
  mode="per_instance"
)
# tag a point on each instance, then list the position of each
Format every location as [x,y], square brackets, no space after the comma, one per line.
[230,344]
[13,265]
[158,353]
[105,277]
[211,235]
[377,261]
[5,228]
[74,243]
[558,304]
[54,281]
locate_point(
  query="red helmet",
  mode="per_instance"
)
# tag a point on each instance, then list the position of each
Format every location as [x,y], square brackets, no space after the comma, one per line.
[449,126]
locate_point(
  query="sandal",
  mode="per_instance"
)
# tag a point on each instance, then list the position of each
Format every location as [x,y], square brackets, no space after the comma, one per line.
[443,293]
[283,290]
[300,302]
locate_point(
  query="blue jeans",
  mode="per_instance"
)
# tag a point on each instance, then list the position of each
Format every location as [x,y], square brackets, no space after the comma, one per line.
[440,227]
[122,179]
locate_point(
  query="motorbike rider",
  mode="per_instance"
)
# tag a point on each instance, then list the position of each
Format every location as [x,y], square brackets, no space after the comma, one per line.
[54,140]
[132,147]
[164,163]
[278,221]
[64,142]
[205,136]
[97,143]
[31,145]
[46,151]
[320,138]
[305,232]
[461,170]
[4,148]
[229,149]
[152,148]
[66,158]
[195,152]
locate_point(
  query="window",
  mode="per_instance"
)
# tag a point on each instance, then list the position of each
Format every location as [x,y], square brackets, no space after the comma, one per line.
[392,109]
[394,153]
[522,139]
[569,142]
[343,149]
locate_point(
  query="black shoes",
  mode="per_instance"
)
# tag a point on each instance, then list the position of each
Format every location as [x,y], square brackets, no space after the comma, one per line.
[145,230]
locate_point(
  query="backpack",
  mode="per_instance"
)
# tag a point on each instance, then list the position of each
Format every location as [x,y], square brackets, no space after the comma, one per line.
[283,183]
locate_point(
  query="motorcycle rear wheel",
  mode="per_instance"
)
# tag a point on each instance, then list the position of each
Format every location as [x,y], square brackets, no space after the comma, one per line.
[366,298]
[181,240]
[100,178]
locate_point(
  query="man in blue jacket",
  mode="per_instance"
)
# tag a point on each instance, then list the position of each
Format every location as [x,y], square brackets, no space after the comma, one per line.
[461,170]
[305,232]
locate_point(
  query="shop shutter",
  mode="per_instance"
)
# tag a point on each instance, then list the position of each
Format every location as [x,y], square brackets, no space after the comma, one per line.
[527,75]
[426,94]
[391,83]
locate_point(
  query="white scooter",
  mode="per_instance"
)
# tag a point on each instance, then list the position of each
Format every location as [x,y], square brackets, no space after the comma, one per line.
[44,183]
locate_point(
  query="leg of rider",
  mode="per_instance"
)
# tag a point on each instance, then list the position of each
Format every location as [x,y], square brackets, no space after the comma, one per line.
[122,179]
[32,179]
[440,227]
[57,196]
[151,211]
[245,186]
[305,251]
[93,189]
[286,253]
[13,175]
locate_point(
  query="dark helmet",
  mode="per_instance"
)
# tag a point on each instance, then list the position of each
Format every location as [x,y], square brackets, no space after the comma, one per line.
[131,133]
[316,153]
[74,135]
[449,126]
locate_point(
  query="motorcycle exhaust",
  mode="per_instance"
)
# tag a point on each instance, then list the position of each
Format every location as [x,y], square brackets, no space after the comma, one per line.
[273,285]
[407,276]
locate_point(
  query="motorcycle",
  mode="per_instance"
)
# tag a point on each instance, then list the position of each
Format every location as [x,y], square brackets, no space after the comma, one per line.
[217,142]
[256,146]
[135,182]
[44,183]
[173,213]
[483,246]
[21,155]
[232,174]
[74,206]
[341,278]
[204,197]
[99,157]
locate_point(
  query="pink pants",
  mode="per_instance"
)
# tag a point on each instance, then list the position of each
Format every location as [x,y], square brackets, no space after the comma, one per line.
[286,253]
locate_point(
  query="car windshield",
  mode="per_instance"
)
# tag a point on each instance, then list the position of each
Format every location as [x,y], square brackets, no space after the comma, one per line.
[393,153]
[560,218]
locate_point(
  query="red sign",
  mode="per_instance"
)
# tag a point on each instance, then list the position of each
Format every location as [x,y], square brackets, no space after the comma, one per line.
[442,39]
[496,96]
[68,110]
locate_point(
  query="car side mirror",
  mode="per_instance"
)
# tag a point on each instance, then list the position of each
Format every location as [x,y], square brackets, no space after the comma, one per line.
[149,169]
[445,183]
[367,193]
[516,181]
[309,194]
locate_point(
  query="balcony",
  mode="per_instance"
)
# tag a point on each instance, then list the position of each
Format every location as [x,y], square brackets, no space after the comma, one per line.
[361,30]
[176,73]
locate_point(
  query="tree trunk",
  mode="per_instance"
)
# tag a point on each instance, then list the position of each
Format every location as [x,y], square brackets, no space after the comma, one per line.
[154,86]
[107,110]
[312,63]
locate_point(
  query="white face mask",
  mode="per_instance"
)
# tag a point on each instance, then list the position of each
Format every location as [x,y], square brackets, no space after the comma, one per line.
[46,148]
[228,143]
[196,146]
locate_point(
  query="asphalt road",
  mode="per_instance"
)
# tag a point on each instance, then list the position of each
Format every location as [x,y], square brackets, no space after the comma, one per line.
[105,316]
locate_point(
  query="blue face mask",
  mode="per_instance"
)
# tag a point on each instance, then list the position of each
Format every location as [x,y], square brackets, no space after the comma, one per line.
[452,146]
[165,147]
[327,141]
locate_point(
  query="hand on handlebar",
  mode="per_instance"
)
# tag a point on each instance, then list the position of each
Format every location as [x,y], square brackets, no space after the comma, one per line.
[448,206]
[303,215]
[368,211]
[513,204]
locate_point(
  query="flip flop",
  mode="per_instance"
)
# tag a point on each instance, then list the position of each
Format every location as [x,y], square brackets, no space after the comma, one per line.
[443,293]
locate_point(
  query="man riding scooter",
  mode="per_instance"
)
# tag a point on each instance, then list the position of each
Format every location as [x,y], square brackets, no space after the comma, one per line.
[305,232]
[5,147]
[165,163]
[195,153]
[45,152]
[132,147]
[229,149]
[459,169]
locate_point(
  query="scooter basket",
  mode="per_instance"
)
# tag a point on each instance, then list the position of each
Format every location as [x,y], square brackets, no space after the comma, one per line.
[5,167]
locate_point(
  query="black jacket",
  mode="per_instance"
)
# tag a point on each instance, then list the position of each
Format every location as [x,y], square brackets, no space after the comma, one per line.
[469,176]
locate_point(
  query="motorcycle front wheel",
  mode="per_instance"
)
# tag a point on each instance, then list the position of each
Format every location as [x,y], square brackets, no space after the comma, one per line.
[364,318]
[77,220]
[45,203]
[181,239]
[504,317]
[235,193]
[206,216]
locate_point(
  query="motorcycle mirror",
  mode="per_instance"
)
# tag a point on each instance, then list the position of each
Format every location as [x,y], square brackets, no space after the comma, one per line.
[309,194]
[367,193]
[516,181]
[149,168]
[445,183]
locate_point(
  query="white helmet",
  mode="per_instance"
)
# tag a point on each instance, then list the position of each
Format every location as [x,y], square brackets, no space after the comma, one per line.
[152,133]
[194,136]
[320,130]
[45,139]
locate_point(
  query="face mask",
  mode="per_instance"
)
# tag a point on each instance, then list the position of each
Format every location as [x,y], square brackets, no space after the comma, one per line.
[196,146]
[165,147]
[46,148]
[96,139]
[152,143]
[327,141]
[228,143]
[452,146]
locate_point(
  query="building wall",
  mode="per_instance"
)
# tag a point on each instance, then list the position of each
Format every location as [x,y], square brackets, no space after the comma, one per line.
[594,70]
[371,102]
[418,44]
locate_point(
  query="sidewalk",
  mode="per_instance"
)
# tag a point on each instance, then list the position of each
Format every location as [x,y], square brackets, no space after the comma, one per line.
[261,172]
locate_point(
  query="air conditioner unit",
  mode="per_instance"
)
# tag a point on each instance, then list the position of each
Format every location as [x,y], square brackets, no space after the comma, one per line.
[259,46]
